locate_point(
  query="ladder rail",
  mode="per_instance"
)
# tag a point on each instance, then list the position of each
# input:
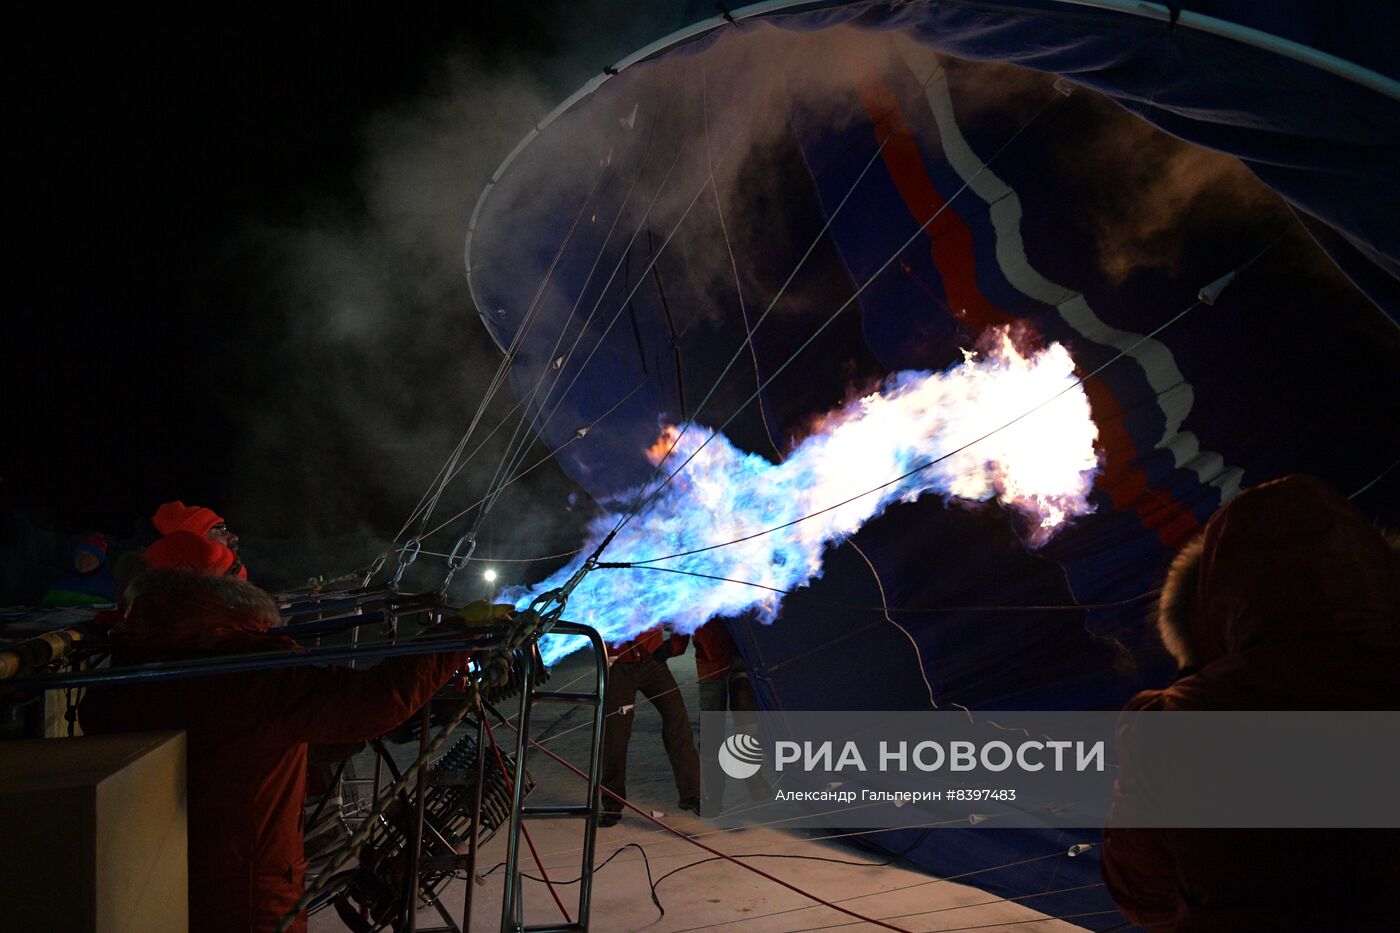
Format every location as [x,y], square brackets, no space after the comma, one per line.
[512,901]
[511,908]
[590,828]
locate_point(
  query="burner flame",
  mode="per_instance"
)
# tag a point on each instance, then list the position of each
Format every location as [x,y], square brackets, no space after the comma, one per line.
[1002,424]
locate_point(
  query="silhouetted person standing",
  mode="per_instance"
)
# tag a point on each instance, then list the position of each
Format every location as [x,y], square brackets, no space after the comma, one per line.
[1290,600]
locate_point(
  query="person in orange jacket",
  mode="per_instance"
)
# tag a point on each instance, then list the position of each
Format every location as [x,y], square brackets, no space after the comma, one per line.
[721,675]
[640,664]
[723,682]
[246,733]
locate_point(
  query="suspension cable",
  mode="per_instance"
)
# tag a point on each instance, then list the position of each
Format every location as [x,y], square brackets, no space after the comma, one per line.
[636,509]
[552,359]
[733,263]
[855,607]
[577,436]
[1079,381]
[517,339]
[507,457]
[409,552]
[622,306]
[782,290]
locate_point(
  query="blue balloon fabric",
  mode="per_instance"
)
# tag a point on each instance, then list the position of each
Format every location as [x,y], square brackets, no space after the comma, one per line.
[874,184]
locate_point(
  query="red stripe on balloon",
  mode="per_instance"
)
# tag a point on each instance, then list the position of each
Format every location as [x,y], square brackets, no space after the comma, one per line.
[951,248]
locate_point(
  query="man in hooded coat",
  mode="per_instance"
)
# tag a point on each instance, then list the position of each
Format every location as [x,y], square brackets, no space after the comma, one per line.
[1289,600]
[246,733]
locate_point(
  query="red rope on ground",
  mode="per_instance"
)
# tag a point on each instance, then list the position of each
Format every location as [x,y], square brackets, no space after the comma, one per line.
[539,863]
[698,844]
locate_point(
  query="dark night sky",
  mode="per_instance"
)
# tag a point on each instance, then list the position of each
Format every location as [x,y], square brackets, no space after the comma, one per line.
[150,338]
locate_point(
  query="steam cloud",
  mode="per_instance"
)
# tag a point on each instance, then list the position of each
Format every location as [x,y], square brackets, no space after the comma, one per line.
[379,358]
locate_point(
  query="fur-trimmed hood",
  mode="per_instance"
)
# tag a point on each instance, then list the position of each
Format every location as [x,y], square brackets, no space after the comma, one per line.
[1287,587]
[1174,603]
[176,613]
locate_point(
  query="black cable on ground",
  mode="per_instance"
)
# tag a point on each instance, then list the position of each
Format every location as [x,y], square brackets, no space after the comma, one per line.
[894,857]
[700,845]
[631,845]
[809,858]
[654,884]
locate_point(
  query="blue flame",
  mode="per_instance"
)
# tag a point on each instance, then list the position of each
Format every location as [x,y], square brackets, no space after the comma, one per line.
[1042,465]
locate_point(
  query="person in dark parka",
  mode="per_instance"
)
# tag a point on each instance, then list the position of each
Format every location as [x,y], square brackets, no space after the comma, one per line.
[247,733]
[1289,600]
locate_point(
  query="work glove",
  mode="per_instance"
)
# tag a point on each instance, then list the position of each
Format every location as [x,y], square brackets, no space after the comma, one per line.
[482,612]
[479,614]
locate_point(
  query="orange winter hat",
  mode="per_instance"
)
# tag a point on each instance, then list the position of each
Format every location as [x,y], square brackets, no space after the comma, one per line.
[176,516]
[185,550]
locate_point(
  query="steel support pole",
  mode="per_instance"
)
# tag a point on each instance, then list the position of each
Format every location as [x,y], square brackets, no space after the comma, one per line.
[511,906]
[476,814]
[420,807]
[590,831]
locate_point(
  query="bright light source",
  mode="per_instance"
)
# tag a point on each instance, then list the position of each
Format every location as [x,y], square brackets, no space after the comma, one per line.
[490,576]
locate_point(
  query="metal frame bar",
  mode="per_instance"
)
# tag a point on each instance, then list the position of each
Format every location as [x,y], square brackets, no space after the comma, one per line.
[473,839]
[511,908]
[266,661]
[476,641]
[512,903]
[420,803]
[416,833]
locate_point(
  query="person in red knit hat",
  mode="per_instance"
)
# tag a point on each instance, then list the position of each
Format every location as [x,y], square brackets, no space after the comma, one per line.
[185,550]
[199,521]
[176,516]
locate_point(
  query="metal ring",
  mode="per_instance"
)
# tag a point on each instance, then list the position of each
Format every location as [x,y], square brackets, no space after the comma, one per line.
[456,562]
